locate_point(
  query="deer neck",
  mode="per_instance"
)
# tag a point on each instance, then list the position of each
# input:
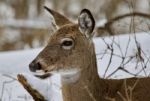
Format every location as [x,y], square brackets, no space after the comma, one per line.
[89,87]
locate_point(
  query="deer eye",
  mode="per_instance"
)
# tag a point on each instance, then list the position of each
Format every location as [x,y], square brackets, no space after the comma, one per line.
[67,43]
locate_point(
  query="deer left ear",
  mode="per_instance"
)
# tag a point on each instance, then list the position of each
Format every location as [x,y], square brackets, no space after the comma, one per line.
[60,19]
[86,23]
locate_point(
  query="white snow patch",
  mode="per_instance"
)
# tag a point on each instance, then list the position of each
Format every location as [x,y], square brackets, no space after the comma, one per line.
[50,88]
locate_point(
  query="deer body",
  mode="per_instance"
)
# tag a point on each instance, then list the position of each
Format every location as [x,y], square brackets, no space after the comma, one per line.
[70,52]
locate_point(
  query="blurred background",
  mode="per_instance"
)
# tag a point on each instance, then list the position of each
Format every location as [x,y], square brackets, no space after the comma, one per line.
[25,24]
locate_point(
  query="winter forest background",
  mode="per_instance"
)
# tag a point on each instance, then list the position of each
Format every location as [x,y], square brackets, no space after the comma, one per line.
[24,23]
[25,28]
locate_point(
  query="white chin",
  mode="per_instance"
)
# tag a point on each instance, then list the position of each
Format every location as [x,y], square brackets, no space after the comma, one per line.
[41,74]
[69,76]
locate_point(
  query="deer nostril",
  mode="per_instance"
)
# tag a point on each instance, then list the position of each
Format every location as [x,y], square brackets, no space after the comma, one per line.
[38,66]
[34,66]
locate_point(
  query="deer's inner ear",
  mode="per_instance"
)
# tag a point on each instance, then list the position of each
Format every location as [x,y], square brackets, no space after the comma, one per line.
[86,22]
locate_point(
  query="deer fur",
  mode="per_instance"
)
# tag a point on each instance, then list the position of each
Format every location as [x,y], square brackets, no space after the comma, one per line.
[75,60]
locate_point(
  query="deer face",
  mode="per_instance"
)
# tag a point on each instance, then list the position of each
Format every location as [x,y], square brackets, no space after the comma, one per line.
[68,49]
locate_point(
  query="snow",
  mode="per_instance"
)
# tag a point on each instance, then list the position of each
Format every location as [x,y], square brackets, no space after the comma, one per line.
[17,61]
[14,62]
[126,44]
[49,88]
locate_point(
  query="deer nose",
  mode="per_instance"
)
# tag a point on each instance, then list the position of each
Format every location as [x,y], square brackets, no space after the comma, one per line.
[33,66]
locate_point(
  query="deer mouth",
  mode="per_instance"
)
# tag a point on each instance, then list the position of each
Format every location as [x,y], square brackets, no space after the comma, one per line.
[44,76]
[41,74]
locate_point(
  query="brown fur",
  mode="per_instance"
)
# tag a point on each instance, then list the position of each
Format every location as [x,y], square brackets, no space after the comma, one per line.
[89,87]
[59,19]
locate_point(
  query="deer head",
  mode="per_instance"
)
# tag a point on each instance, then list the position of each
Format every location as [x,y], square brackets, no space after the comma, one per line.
[69,49]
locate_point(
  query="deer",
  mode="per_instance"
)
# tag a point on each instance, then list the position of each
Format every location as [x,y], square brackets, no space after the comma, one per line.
[70,52]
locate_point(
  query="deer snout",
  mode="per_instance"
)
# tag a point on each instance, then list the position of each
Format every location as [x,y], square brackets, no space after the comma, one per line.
[34,66]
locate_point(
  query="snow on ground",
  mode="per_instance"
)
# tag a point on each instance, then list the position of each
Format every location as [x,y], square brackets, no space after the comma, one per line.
[124,46]
[12,63]
[50,88]
[17,61]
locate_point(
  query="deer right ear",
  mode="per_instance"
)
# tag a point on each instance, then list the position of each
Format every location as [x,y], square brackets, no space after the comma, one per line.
[86,23]
[60,20]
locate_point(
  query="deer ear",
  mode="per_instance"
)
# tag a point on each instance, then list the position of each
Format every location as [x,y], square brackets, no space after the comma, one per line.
[86,22]
[60,20]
